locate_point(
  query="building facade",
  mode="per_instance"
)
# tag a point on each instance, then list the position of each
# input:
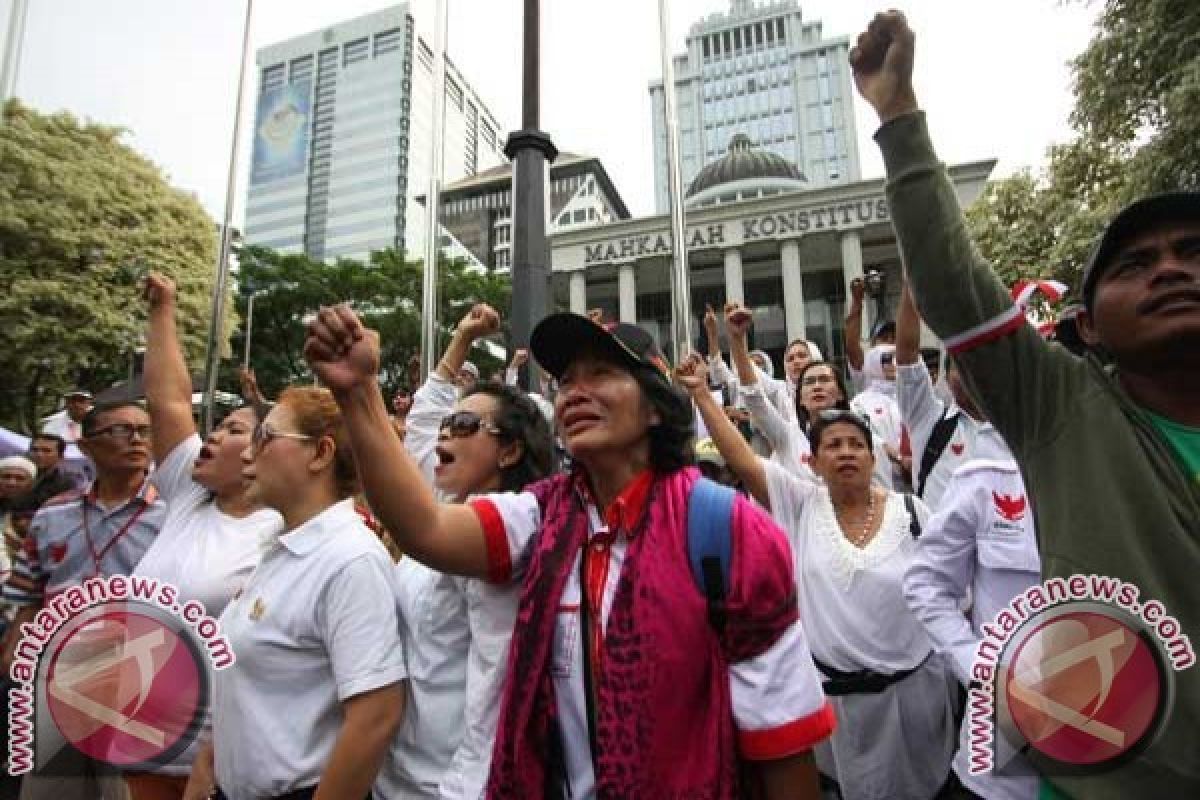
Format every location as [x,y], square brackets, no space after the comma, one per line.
[763,71]
[786,252]
[477,212]
[342,138]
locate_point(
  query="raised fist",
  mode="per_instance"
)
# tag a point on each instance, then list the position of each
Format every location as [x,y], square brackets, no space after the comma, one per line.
[520,358]
[710,320]
[159,290]
[738,320]
[858,288]
[882,63]
[480,321]
[341,352]
[692,374]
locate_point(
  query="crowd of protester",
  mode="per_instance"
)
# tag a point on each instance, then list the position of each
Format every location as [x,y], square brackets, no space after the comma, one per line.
[642,581]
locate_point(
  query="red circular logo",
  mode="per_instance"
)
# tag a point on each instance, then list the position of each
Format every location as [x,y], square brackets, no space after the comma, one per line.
[125,688]
[1084,688]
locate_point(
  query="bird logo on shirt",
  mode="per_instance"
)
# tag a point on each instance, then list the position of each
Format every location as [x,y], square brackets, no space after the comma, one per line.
[58,552]
[957,448]
[1011,508]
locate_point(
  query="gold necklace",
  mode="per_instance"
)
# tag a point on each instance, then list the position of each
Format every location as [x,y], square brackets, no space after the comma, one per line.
[861,538]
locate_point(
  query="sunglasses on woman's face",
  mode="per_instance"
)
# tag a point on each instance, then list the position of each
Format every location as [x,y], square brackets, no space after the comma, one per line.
[841,415]
[461,424]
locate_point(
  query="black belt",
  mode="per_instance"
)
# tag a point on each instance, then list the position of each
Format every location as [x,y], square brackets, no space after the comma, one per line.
[864,681]
[299,794]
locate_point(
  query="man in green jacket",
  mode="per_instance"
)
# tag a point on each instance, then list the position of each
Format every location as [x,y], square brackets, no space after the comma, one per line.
[1111,455]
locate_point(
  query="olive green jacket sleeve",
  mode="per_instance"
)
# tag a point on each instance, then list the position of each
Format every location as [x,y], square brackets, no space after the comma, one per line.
[1023,384]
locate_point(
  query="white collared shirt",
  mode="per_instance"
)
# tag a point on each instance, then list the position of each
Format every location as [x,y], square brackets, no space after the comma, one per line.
[983,539]
[921,409]
[315,626]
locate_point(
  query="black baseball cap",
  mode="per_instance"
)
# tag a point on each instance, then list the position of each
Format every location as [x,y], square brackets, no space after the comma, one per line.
[1131,220]
[559,338]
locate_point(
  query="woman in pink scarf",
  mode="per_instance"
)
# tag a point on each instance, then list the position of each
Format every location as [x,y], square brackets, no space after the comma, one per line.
[619,684]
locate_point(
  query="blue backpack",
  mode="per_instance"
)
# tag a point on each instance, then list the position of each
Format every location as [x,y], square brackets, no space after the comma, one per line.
[710,523]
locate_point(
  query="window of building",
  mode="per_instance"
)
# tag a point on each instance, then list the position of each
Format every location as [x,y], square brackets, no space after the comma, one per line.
[565,219]
[727,40]
[779,30]
[580,215]
[707,54]
[454,92]
[737,39]
[388,41]
[300,69]
[272,77]
[355,51]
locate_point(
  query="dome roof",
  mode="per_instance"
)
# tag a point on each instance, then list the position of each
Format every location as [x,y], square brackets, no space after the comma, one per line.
[745,162]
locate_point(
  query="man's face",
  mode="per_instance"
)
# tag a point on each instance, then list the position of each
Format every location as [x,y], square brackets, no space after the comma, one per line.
[120,441]
[77,406]
[1146,306]
[14,482]
[401,402]
[44,453]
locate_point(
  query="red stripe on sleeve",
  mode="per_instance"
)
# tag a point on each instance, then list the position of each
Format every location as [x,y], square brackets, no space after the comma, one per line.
[495,537]
[789,739]
[983,338]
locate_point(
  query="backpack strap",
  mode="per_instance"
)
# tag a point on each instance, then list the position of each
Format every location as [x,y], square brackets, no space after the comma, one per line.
[939,437]
[710,523]
[914,522]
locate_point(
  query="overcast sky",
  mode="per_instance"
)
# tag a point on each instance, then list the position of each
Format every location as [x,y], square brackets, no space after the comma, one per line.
[992,76]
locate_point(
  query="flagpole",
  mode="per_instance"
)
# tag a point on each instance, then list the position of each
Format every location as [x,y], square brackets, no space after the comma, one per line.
[681,292]
[12,50]
[433,199]
[213,360]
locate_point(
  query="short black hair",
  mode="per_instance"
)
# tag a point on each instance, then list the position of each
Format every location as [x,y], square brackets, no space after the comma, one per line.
[672,440]
[89,419]
[825,420]
[843,403]
[520,420]
[59,441]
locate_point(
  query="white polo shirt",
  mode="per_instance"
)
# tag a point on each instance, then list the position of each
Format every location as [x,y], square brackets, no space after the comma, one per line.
[921,409]
[982,540]
[776,691]
[315,626]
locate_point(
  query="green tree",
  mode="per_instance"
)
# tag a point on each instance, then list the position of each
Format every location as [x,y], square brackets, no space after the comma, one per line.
[1137,119]
[81,213]
[385,291]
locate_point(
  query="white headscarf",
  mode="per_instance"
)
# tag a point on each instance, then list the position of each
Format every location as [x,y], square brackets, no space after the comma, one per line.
[873,370]
[769,369]
[21,463]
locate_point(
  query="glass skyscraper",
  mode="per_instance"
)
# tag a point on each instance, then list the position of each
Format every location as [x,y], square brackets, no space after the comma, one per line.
[342,138]
[763,71]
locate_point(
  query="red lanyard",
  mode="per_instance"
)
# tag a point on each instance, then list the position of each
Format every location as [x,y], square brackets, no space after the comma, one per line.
[594,573]
[87,531]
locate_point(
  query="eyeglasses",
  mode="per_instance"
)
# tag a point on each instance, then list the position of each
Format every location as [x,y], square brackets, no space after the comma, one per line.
[813,380]
[122,430]
[264,434]
[462,424]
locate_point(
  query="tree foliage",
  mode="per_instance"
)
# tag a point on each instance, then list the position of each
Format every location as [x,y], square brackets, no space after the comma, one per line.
[385,291]
[1137,121]
[80,214]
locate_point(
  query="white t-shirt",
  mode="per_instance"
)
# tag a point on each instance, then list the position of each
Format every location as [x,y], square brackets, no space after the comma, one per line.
[315,626]
[775,690]
[206,554]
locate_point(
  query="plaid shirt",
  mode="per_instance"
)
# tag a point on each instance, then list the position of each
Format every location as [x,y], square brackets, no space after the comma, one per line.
[73,538]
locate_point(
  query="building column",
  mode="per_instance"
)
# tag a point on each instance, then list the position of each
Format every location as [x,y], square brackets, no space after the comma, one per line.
[793,291]
[578,291]
[734,291]
[626,294]
[852,261]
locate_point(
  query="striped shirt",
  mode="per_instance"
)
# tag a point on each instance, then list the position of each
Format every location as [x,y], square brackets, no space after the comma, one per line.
[73,538]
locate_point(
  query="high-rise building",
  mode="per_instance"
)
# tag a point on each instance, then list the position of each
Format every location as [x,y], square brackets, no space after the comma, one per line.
[763,71]
[342,138]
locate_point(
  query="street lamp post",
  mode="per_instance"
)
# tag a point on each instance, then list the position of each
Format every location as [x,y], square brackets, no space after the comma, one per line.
[681,289]
[249,327]
[531,150]
[433,198]
[12,50]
